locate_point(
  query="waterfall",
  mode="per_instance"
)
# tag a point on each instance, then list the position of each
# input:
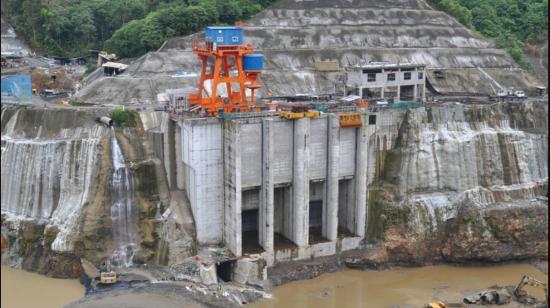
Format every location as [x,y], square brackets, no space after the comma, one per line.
[123,212]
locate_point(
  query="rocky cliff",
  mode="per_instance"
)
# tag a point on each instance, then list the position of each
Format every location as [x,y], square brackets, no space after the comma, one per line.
[463,184]
[56,169]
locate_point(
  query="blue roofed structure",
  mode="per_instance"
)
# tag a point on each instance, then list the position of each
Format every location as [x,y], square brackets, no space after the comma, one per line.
[224,36]
[17,86]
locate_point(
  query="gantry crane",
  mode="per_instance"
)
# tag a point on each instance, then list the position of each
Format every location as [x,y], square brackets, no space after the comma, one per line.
[226,60]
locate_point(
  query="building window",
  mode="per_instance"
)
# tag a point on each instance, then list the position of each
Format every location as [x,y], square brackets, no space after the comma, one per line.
[219,39]
[371,77]
[421,75]
[235,39]
[372,119]
[391,77]
[408,76]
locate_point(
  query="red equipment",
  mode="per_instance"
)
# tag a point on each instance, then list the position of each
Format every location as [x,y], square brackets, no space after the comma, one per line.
[228,69]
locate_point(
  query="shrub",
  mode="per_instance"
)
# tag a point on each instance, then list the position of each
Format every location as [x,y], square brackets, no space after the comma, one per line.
[124,118]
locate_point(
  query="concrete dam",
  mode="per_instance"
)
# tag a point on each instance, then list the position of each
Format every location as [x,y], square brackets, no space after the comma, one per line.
[270,190]
[375,135]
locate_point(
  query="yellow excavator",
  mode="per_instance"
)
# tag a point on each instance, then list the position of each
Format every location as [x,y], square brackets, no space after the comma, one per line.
[437,305]
[107,276]
[530,281]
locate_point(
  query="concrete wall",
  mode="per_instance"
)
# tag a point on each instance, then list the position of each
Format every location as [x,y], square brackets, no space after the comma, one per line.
[278,167]
[202,156]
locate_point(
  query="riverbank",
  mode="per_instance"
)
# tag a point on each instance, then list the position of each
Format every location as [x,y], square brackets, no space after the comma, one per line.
[401,287]
[308,284]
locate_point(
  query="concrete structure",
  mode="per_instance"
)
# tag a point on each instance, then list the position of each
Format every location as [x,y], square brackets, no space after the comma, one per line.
[284,189]
[397,82]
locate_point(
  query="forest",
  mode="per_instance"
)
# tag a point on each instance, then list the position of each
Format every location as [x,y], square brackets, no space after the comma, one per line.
[512,23]
[128,28]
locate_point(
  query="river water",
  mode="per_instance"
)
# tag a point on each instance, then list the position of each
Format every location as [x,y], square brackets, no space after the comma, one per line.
[371,289]
[413,287]
[21,289]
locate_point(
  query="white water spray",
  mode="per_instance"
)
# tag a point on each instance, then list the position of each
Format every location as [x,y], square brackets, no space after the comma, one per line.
[123,212]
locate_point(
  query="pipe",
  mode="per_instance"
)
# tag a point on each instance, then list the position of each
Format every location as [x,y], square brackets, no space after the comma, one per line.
[106,120]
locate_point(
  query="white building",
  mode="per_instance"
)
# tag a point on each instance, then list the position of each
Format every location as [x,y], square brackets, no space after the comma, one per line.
[397,82]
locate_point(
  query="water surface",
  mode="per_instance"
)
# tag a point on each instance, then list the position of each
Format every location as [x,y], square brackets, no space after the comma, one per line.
[21,289]
[414,287]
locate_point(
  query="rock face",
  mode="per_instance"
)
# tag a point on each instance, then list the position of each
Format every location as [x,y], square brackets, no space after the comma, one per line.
[11,44]
[56,170]
[294,35]
[463,184]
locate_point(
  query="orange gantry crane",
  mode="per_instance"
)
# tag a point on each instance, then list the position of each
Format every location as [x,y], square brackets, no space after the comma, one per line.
[226,60]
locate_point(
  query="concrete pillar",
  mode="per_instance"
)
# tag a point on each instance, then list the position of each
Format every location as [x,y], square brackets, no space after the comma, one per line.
[267,192]
[382,92]
[330,210]
[232,229]
[424,91]
[361,181]
[398,94]
[300,183]
[415,95]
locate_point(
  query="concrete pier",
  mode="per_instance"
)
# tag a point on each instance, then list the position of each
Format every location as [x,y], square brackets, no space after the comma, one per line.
[267,199]
[361,182]
[300,183]
[330,206]
[232,234]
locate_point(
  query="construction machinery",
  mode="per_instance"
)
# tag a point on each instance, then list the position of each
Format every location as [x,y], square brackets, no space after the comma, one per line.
[226,61]
[437,305]
[351,119]
[107,275]
[519,292]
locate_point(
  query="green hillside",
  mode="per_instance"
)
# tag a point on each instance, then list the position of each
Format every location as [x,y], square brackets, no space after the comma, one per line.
[133,27]
[126,27]
[512,23]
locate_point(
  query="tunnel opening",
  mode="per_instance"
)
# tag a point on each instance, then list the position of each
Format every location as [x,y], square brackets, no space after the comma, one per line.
[316,212]
[250,234]
[282,219]
[316,222]
[224,270]
[345,208]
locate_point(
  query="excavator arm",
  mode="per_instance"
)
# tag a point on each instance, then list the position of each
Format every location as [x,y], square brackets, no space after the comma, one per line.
[530,281]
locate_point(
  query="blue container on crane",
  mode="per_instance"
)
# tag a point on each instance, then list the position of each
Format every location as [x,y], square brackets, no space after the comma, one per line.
[253,62]
[224,36]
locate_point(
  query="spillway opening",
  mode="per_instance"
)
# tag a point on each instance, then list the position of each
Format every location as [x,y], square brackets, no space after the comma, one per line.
[250,234]
[345,208]
[282,219]
[316,212]
[316,222]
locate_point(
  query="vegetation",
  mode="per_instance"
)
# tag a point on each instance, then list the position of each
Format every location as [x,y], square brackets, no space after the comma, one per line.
[123,117]
[127,27]
[512,23]
[131,28]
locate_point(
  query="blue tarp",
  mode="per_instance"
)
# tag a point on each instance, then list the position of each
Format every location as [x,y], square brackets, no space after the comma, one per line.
[18,86]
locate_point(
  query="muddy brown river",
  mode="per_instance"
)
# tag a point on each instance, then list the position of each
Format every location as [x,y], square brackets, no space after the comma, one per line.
[21,289]
[372,289]
[403,287]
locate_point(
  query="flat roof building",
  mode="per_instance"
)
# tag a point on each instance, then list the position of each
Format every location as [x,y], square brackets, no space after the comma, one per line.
[387,81]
